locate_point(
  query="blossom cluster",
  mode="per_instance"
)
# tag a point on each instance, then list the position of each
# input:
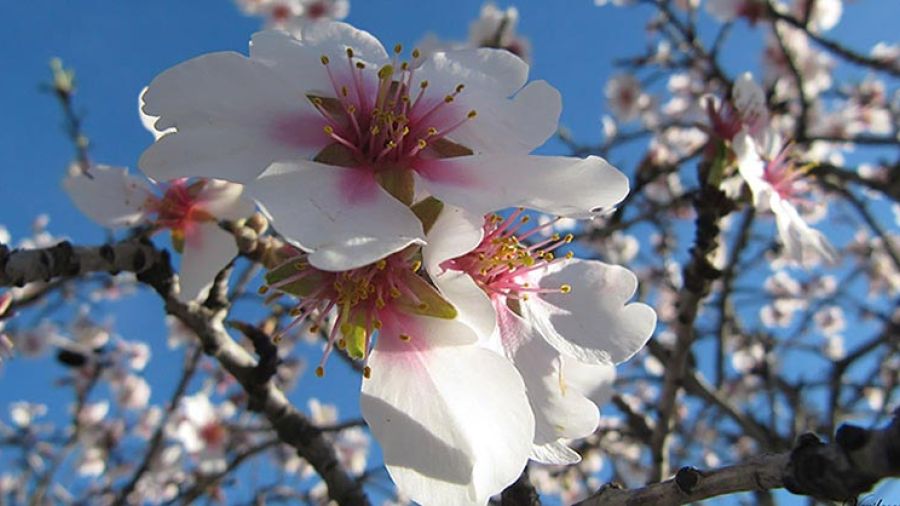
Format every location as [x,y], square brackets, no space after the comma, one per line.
[389,178]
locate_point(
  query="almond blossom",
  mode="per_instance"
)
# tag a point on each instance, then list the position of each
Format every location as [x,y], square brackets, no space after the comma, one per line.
[425,378]
[189,209]
[776,183]
[284,13]
[519,300]
[336,138]
[203,432]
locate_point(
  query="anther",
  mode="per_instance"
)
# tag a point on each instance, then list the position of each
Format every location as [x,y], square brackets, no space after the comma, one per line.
[472,114]
[328,129]
[448,99]
[263,289]
[569,238]
[381,264]
[320,371]
[405,337]
[367,372]
[296,312]
[459,87]
[349,52]
[416,265]
[565,288]
[416,53]
[324,59]
[360,65]
[398,49]
[423,84]
[313,329]
[342,344]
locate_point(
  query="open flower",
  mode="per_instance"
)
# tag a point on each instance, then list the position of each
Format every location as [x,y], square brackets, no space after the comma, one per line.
[776,183]
[203,431]
[540,311]
[343,137]
[451,416]
[190,210]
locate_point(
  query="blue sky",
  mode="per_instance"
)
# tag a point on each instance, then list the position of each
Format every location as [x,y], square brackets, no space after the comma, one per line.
[117,47]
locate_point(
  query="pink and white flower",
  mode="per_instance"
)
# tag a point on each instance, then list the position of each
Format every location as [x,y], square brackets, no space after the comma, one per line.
[518,298]
[189,209]
[203,432]
[336,138]
[452,417]
[284,13]
[776,183]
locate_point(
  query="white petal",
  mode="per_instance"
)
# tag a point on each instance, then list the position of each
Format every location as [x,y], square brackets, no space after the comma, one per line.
[225,200]
[593,380]
[148,121]
[110,196]
[750,166]
[332,38]
[803,244]
[517,125]
[340,215]
[454,233]
[559,411]
[233,116]
[566,186]
[594,322]
[494,71]
[295,61]
[207,249]
[557,453]
[453,421]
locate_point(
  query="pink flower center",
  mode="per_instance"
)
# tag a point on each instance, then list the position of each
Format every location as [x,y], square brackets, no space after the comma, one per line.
[212,434]
[785,177]
[391,121]
[316,10]
[281,13]
[179,207]
[366,300]
[502,263]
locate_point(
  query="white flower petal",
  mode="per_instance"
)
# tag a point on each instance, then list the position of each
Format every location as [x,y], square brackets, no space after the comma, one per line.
[453,421]
[559,411]
[517,125]
[340,215]
[594,322]
[207,249]
[148,121]
[233,117]
[557,453]
[110,196]
[332,38]
[454,233]
[225,200]
[802,243]
[566,186]
[494,71]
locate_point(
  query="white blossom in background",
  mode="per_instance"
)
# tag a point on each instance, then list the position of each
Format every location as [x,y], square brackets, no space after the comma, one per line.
[813,65]
[189,209]
[289,14]
[497,28]
[202,430]
[466,122]
[824,15]
[775,183]
[23,413]
[626,98]
[132,391]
